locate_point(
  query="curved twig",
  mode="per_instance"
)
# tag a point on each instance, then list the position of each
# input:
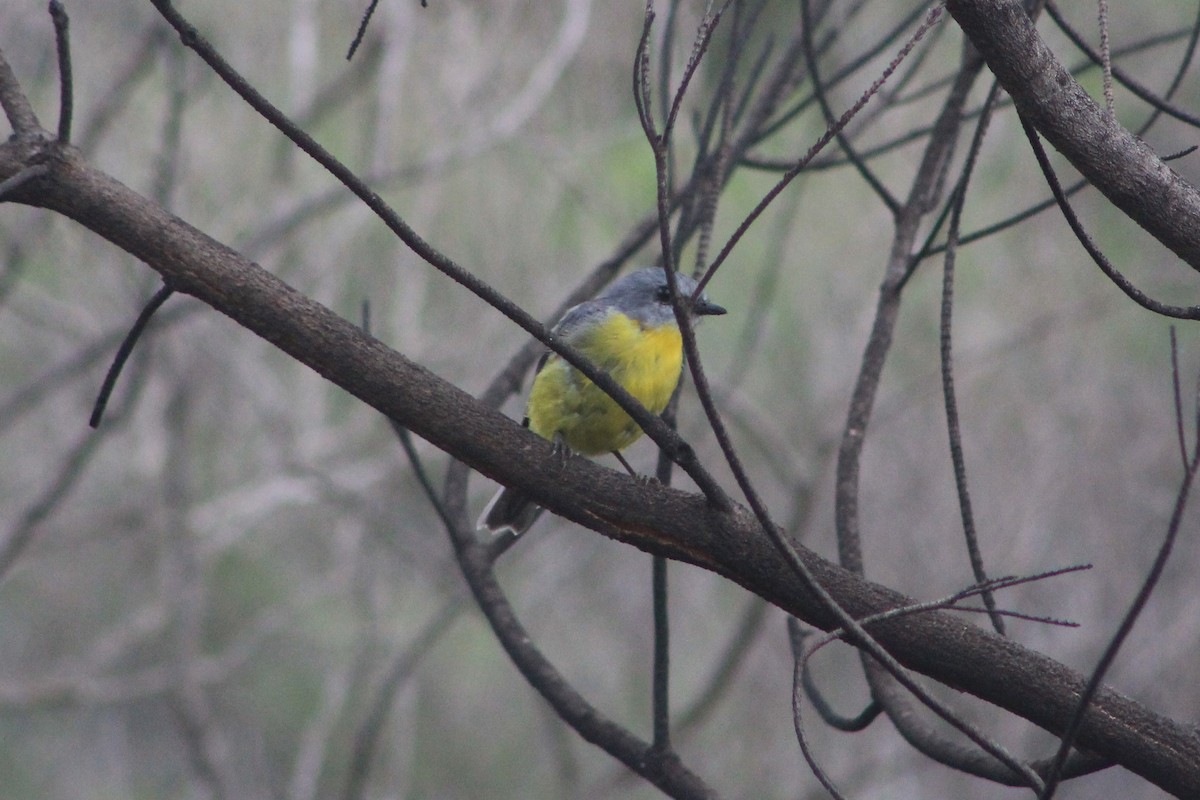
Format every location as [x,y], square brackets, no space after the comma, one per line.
[123,352]
[1124,284]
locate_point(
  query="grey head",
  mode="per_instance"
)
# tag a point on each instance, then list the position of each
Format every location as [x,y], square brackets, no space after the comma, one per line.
[645,296]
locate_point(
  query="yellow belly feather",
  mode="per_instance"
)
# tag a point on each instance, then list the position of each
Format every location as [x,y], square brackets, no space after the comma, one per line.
[646,361]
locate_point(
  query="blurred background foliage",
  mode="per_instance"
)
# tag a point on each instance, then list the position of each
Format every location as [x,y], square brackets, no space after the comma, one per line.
[215,587]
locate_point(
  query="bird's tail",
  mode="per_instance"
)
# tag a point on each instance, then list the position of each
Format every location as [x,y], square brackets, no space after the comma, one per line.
[509,510]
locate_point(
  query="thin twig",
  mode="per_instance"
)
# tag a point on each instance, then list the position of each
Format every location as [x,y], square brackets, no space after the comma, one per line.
[659,145]
[950,603]
[62,43]
[930,20]
[797,634]
[837,77]
[699,48]
[1123,283]
[1179,432]
[362,29]
[852,155]
[950,400]
[1105,54]
[124,351]
[796,639]
[661,702]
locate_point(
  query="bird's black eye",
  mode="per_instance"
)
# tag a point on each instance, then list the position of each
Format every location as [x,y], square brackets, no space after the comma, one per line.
[663,294]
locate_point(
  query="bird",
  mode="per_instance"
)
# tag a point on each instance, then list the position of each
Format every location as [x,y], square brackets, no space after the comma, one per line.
[630,331]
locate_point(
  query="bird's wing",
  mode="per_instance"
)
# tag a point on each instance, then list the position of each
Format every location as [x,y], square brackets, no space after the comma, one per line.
[577,319]
[568,328]
[572,325]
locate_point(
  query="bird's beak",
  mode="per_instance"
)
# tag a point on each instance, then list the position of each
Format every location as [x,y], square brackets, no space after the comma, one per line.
[703,308]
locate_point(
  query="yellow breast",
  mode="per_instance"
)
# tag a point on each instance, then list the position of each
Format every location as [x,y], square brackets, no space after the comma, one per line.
[646,361]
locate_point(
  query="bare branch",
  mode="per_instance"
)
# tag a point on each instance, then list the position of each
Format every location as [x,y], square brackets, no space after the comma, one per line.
[1106,266]
[62,40]
[950,399]
[123,352]
[15,104]
[1124,169]
[852,155]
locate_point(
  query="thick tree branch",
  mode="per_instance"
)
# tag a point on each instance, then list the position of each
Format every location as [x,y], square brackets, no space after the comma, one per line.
[1121,166]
